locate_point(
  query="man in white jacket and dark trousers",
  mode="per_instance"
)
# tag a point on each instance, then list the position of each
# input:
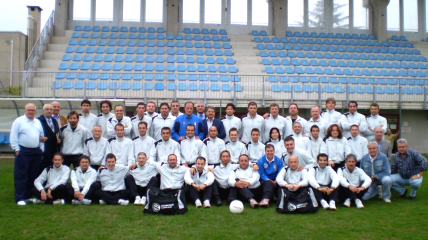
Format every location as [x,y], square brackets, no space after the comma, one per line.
[83,183]
[235,147]
[73,137]
[191,148]
[141,179]
[230,121]
[213,147]
[373,121]
[164,119]
[290,179]
[273,120]
[245,181]
[112,178]
[87,119]
[332,116]
[96,147]
[200,183]
[255,148]
[121,147]
[49,187]
[294,117]
[102,119]
[354,182]
[140,117]
[165,147]
[324,182]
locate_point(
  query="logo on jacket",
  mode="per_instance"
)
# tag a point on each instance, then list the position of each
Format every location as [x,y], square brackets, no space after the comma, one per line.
[266,165]
[274,166]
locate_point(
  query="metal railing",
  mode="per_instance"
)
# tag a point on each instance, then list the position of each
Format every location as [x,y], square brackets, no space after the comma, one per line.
[262,88]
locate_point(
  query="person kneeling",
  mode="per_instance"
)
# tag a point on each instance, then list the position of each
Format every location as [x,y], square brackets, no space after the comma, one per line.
[142,178]
[354,182]
[245,181]
[324,182]
[49,187]
[112,179]
[200,183]
[82,187]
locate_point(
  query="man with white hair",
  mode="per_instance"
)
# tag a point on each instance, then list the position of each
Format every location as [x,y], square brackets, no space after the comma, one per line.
[51,131]
[61,119]
[26,139]
[407,169]
[376,165]
[200,110]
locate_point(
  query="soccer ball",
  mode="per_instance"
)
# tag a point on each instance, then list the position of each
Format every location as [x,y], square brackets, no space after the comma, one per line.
[236,206]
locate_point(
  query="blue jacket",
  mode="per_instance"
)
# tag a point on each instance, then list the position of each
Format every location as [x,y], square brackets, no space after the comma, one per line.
[381,165]
[269,171]
[218,124]
[181,122]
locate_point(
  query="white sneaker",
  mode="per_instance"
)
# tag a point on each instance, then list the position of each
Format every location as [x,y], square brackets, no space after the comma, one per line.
[332,205]
[347,203]
[387,200]
[123,202]
[76,202]
[207,204]
[37,201]
[380,191]
[198,203]
[102,202]
[21,203]
[143,200]
[359,203]
[137,200]
[59,202]
[324,204]
[86,201]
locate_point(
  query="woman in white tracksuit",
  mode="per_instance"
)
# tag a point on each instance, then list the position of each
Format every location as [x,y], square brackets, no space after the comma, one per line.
[336,147]
[276,141]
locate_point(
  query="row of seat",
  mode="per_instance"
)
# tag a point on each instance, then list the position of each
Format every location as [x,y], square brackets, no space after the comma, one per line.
[346,71]
[88,28]
[147,77]
[350,89]
[147,67]
[329,35]
[149,59]
[398,38]
[149,51]
[147,86]
[346,80]
[334,42]
[346,56]
[323,48]
[351,64]
[151,36]
[131,43]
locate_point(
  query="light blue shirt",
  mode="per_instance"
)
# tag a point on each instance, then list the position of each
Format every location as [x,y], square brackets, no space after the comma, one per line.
[26,133]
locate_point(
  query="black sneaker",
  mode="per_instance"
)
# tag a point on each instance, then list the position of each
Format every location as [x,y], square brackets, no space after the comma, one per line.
[404,194]
[218,201]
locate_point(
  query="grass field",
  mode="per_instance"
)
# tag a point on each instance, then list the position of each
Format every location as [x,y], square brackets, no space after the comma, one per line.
[402,219]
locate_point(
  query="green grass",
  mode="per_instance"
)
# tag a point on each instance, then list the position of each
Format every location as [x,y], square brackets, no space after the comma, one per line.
[402,219]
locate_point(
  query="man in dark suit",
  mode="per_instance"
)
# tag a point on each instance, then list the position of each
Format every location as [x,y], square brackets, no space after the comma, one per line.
[384,146]
[50,129]
[211,121]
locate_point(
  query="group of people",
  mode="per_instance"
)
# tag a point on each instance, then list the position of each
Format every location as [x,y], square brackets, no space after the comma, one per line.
[116,159]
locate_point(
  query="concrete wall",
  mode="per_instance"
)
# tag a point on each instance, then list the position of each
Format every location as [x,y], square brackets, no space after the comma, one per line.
[61,17]
[414,129]
[19,53]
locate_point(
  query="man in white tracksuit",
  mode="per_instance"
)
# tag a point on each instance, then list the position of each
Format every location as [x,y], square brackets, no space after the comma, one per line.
[235,147]
[200,183]
[119,117]
[273,120]
[373,121]
[87,119]
[316,142]
[142,143]
[121,147]
[96,147]
[213,146]
[164,147]
[151,110]
[230,121]
[191,148]
[300,141]
[250,121]
[102,119]
[305,158]
[332,116]
[357,143]
[353,117]
[255,149]
[317,120]
[290,179]
[73,137]
[294,117]
[140,117]
[164,119]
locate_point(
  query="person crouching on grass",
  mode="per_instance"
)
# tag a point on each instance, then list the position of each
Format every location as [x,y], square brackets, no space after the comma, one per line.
[82,188]
[200,183]
[49,187]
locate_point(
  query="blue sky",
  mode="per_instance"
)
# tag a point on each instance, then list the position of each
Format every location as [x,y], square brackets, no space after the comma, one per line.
[13,14]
